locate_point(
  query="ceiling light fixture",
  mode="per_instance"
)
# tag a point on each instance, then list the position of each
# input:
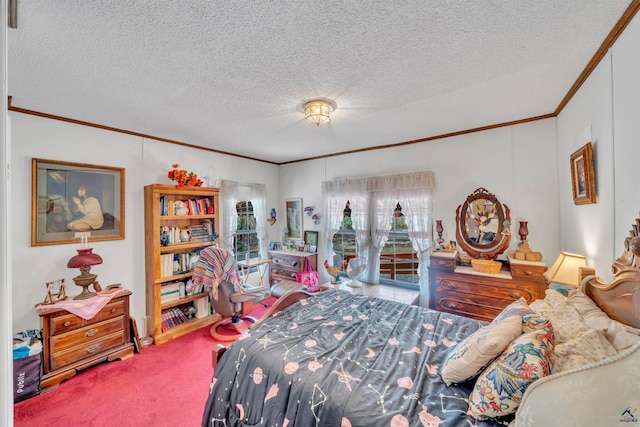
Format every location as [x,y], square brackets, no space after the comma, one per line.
[318,111]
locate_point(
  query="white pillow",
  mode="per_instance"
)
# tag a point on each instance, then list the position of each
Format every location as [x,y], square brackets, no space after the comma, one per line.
[589,347]
[619,335]
[475,352]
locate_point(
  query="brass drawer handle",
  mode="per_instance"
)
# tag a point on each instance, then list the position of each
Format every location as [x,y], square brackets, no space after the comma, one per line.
[514,295]
[91,332]
[91,349]
[67,323]
[528,273]
[113,310]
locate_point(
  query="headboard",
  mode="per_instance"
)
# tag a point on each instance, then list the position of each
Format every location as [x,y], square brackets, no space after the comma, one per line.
[620,299]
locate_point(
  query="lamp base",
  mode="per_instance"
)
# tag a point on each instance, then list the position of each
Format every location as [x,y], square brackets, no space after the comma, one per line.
[86,293]
[85,280]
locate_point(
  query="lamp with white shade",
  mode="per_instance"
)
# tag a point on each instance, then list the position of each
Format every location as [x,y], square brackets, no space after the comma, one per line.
[566,271]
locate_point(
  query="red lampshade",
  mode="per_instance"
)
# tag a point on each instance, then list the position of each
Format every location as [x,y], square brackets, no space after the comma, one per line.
[85,258]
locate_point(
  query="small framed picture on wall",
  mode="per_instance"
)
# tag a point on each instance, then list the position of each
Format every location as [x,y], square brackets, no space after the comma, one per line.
[583,180]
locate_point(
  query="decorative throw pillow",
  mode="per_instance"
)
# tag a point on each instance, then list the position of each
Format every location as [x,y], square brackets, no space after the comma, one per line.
[500,387]
[589,347]
[475,352]
[555,298]
[519,308]
[567,323]
[621,336]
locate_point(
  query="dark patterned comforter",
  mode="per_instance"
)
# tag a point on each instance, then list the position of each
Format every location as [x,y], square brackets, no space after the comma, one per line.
[338,359]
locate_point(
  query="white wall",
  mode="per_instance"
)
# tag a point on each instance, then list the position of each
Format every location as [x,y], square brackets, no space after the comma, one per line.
[145,161]
[516,163]
[605,111]
[626,113]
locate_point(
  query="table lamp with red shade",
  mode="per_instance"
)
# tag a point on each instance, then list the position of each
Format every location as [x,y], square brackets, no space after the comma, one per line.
[84,260]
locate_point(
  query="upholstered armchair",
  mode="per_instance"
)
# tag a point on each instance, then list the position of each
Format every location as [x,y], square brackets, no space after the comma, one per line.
[217,271]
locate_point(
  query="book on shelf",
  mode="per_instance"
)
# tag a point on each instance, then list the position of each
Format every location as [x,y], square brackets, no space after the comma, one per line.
[172,317]
[202,307]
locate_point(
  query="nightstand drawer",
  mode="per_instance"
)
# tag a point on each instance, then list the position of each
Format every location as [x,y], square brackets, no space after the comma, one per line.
[87,334]
[64,358]
[65,323]
[113,309]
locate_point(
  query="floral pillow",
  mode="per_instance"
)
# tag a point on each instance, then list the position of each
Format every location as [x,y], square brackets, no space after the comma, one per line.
[472,355]
[499,389]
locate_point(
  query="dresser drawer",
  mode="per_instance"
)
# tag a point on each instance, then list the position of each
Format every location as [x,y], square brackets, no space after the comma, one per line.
[443,263]
[478,307]
[495,290]
[530,272]
[67,357]
[86,334]
[283,273]
[288,263]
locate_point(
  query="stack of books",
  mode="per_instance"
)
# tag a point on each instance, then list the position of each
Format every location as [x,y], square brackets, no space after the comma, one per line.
[170,292]
[172,317]
[199,233]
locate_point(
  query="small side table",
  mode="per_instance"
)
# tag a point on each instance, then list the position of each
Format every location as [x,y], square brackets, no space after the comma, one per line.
[246,266]
[72,343]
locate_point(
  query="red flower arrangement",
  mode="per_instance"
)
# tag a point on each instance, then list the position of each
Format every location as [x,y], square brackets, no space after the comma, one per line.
[183,178]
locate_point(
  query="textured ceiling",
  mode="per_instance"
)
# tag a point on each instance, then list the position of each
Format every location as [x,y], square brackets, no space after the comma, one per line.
[233,75]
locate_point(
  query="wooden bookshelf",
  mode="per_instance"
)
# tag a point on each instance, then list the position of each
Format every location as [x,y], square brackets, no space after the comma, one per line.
[155,218]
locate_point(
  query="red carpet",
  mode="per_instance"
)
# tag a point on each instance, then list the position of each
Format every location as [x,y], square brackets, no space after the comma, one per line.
[165,385]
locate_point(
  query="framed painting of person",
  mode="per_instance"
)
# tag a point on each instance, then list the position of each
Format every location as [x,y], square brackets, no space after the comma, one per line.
[583,181]
[71,200]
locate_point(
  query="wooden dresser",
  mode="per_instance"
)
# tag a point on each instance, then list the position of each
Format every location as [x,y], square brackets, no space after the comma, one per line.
[286,264]
[464,291]
[72,343]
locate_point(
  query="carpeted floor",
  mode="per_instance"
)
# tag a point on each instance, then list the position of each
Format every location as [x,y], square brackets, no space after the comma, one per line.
[165,385]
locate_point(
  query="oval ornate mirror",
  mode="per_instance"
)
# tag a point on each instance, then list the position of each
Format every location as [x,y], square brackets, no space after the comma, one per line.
[482,225]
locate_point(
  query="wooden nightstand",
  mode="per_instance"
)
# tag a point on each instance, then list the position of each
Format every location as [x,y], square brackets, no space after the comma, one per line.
[393,293]
[72,343]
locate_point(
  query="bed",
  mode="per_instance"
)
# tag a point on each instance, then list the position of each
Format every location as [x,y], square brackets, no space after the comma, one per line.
[342,359]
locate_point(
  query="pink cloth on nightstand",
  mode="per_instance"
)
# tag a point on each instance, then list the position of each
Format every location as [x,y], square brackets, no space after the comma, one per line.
[85,308]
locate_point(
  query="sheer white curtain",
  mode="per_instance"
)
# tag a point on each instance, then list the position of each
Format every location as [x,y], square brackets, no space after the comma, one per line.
[258,198]
[229,194]
[418,213]
[383,201]
[414,193]
[335,197]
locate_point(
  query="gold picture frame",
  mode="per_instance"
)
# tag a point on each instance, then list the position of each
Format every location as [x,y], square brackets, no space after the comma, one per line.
[62,213]
[583,180]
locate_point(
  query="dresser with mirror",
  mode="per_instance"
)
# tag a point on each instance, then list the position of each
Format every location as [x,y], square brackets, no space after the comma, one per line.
[483,232]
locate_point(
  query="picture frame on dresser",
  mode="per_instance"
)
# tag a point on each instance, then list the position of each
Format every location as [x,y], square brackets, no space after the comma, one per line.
[71,200]
[311,238]
[583,181]
[293,208]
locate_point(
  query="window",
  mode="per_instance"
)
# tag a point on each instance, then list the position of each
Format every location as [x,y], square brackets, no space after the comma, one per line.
[344,240]
[246,244]
[391,230]
[398,260]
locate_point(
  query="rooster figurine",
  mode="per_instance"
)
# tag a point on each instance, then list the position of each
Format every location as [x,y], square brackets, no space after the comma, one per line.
[333,270]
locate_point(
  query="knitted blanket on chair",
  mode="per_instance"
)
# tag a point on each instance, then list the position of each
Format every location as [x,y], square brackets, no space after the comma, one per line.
[214,266]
